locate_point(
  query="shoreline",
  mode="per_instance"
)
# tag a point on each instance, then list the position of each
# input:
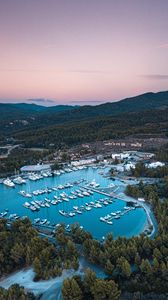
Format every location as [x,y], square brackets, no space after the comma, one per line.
[25,278]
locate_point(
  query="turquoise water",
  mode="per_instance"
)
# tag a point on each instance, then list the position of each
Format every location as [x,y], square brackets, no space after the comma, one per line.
[128,225]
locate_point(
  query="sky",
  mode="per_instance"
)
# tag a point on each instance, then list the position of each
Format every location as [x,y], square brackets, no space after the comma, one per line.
[82,51]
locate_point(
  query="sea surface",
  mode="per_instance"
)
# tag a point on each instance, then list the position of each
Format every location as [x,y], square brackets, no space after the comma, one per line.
[130,224]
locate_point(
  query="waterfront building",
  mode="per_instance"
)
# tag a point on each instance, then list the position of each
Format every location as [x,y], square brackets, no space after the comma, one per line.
[36,168]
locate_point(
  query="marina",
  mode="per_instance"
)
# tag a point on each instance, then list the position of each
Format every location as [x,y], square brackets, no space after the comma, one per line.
[85,195]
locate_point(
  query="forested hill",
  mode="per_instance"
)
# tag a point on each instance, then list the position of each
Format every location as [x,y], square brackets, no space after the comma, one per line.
[135,104]
[12,111]
[95,129]
[13,116]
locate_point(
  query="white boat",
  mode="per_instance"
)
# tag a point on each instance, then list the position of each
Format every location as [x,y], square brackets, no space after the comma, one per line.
[33,208]
[3,214]
[42,222]
[86,193]
[72,214]
[9,183]
[80,195]
[109,222]
[26,204]
[75,207]
[37,220]
[141,199]
[88,208]
[98,205]
[24,194]
[19,180]
[63,213]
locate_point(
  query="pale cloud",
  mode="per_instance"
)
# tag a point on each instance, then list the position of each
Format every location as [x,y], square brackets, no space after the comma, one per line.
[155,76]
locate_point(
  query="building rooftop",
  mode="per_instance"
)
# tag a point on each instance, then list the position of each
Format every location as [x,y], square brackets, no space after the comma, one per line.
[35,168]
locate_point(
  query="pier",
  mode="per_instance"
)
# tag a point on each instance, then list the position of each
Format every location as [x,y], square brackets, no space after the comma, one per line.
[126,199]
[110,195]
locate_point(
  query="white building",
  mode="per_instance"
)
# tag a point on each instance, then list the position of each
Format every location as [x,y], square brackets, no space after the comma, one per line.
[120,156]
[156,164]
[35,168]
[83,162]
[129,166]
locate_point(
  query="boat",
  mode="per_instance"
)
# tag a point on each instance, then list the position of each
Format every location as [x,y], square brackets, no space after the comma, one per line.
[72,214]
[88,208]
[3,214]
[42,222]
[105,203]
[26,204]
[98,205]
[63,213]
[65,199]
[80,195]
[24,194]
[19,180]
[141,199]
[85,193]
[33,208]
[37,220]
[9,183]
[109,222]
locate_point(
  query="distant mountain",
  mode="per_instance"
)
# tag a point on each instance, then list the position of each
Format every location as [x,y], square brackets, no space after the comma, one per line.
[139,103]
[12,112]
[37,116]
[135,104]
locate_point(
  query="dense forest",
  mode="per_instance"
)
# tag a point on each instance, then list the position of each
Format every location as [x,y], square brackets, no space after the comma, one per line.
[141,170]
[98,128]
[21,246]
[15,292]
[134,266]
[38,126]
[20,157]
[137,265]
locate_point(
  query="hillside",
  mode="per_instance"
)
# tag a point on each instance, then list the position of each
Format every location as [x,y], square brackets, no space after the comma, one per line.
[66,113]
[97,128]
[70,125]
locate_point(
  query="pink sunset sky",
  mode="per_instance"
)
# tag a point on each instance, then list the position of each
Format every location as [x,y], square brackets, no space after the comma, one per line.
[76,51]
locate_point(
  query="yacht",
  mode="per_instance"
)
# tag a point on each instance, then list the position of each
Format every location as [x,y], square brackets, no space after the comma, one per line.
[9,183]
[42,222]
[72,214]
[24,194]
[37,220]
[109,222]
[26,204]
[88,208]
[63,213]
[19,180]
